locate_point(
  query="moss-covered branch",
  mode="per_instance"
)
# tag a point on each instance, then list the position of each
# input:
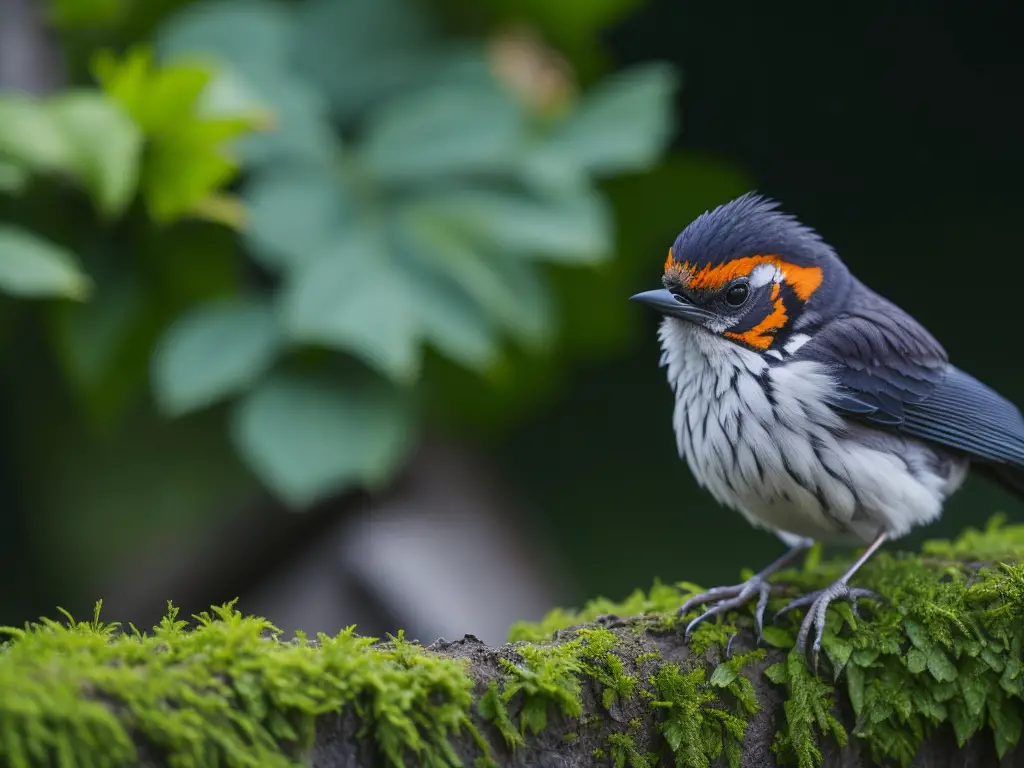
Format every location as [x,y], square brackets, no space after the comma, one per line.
[932,677]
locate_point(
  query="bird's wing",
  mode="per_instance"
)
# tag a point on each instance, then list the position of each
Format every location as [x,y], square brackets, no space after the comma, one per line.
[894,375]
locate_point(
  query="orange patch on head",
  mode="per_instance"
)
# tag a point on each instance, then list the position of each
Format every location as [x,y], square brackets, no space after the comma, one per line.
[803,280]
[762,335]
[668,261]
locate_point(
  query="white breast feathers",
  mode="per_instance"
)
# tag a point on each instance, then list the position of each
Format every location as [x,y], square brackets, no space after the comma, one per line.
[764,441]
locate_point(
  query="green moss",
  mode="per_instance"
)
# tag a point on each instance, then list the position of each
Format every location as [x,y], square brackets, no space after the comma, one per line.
[934,650]
[492,708]
[225,693]
[943,647]
[809,706]
[549,677]
[696,731]
[601,664]
[624,753]
[994,543]
[659,603]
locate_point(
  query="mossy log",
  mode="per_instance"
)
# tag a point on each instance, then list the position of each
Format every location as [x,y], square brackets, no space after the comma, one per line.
[932,676]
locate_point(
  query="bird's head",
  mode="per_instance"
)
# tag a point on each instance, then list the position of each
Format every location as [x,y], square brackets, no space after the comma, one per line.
[751,274]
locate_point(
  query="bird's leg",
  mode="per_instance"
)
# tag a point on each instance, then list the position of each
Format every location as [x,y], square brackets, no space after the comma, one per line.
[820,600]
[727,598]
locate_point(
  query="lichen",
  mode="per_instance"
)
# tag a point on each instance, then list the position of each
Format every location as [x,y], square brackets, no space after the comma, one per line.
[224,692]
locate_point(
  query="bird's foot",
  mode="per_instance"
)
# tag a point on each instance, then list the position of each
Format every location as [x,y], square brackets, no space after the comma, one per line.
[817,604]
[723,599]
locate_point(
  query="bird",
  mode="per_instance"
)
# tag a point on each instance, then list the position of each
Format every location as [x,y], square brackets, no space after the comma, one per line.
[812,405]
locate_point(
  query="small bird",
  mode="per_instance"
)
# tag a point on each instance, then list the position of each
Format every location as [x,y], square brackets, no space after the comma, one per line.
[810,404]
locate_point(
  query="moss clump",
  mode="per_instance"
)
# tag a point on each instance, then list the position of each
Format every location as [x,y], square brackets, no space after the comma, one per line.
[550,676]
[809,707]
[696,731]
[699,718]
[944,646]
[935,650]
[661,600]
[224,692]
[623,752]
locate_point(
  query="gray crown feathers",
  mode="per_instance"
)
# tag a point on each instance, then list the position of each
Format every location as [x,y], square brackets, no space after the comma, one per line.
[747,226]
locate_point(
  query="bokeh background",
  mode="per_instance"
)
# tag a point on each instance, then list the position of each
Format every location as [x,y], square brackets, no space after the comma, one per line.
[321,304]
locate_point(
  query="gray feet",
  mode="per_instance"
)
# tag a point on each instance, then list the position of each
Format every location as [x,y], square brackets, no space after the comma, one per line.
[727,598]
[818,603]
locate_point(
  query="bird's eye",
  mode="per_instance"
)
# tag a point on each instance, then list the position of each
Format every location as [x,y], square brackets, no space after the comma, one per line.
[737,294]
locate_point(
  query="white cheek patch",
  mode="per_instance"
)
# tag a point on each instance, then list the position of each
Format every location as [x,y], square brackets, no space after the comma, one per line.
[763,274]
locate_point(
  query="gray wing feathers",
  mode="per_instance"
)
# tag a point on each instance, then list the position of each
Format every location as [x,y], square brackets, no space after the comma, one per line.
[893,374]
[966,415]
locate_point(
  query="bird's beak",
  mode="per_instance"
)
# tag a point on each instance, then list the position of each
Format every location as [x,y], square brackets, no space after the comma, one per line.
[666,303]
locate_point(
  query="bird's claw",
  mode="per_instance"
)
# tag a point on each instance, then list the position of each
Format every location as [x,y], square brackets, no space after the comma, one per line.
[817,604]
[727,598]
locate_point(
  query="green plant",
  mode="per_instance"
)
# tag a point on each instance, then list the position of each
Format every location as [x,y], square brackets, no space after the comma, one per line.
[409,207]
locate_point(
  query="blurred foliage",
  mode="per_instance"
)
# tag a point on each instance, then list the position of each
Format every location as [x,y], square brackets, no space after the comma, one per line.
[339,219]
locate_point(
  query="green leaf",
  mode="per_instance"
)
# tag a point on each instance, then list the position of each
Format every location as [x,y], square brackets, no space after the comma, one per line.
[975,691]
[941,667]
[1006,725]
[294,214]
[777,637]
[855,687]
[12,177]
[31,266]
[307,438]
[778,673]
[456,326]
[362,52]
[189,157]
[105,147]
[253,43]
[185,166]
[723,675]
[565,228]
[508,289]
[838,651]
[353,298]
[917,662]
[214,351]
[865,657]
[623,124]
[29,136]
[448,129]
[300,129]
[254,35]
[157,98]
